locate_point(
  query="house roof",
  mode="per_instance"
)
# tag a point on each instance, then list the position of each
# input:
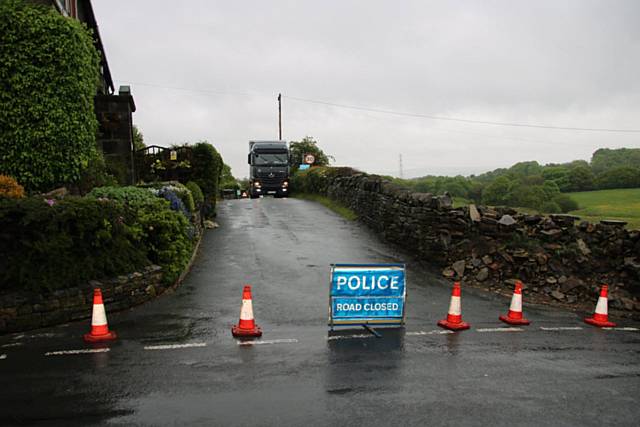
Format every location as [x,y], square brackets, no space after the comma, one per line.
[90,19]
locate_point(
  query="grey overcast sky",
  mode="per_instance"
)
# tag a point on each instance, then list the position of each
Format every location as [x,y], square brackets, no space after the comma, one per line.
[211,70]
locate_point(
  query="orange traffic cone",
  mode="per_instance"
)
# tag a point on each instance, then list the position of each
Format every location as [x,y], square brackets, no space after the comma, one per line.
[454,316]
[601,316]
[514,317]
[247,326]
[99,327]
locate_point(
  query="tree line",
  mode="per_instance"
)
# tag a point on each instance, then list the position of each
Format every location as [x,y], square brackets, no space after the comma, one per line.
[530,184]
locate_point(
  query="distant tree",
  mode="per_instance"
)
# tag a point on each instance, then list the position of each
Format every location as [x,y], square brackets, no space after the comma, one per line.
[243,183]
[530,196]
[550,207]
[307,146]
[620,177]
[532,180]
[550,189]
[605,159]
[498,192]
[227,180]
[565,202]
[581,179]
[475,191]
[523,169]
[138,139]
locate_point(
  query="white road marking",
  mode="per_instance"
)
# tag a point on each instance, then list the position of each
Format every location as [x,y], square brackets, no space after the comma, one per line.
[261,342]
[433,332]
[348,337]
[627,329]
[81,351]
[3,356]
[174,346]
[15,344]
[500,330]
[561,328]
[43,335]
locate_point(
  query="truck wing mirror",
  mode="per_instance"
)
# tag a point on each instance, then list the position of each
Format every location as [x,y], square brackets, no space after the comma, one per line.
[249,158]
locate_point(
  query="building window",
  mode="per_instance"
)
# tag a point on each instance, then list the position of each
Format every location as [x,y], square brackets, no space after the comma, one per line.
[67,7]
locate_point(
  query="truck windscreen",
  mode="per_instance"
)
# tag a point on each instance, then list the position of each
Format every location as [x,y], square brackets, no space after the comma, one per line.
[270,158]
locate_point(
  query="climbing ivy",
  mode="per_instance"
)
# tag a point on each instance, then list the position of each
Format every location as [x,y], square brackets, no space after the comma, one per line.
[49,74]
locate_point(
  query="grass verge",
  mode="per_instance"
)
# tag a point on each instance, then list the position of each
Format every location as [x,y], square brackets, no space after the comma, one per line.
[621,204]
[341,210]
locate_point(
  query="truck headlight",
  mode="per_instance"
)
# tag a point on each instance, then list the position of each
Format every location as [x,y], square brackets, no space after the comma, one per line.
[285,184]
[256,184]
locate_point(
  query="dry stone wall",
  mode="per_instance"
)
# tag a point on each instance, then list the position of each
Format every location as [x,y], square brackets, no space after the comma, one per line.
[559,258]
[22,310]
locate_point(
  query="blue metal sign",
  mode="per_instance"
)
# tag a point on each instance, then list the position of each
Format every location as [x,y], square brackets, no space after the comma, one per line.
[367,294]
[303,167]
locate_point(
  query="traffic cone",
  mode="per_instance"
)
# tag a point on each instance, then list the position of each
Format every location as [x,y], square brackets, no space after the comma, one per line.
[514,317]
[454,316]
[601,316]
[247,326]
[99,327]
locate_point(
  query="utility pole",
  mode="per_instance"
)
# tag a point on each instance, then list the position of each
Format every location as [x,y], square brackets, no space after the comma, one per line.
[280,116]
[401,171]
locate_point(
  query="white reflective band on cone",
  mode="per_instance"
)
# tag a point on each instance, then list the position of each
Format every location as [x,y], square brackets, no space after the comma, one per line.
[99,317]
[454,307]
[246,311]
[516,303]
[601,307]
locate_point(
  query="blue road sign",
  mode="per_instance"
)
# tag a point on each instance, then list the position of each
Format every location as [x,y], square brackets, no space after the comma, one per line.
[367,294]
[303,167]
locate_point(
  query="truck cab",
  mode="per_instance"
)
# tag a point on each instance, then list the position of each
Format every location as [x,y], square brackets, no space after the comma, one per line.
[269,168]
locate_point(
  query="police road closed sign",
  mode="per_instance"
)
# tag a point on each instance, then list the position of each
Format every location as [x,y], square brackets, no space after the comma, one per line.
[367,294]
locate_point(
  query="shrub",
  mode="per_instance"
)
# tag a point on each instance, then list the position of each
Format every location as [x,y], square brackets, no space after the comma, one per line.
[49,73]
[167,237]
[132,196]
[161,226]
[196,193]
[58,244]
[565,203]
[65,243]
[550,207]
[316,179]
[175,202]
[172,190]
[95,175]
[10,189]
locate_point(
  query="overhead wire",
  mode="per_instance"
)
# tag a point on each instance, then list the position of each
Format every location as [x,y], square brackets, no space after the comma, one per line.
[457,119]
[394,112]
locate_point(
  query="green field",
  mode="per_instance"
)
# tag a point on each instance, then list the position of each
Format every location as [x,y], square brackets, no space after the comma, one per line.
[623,205]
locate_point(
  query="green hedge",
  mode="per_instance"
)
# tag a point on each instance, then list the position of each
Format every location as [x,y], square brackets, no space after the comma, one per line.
[49,69]
[196,192]
[58,244]
[316,179]
[206,169]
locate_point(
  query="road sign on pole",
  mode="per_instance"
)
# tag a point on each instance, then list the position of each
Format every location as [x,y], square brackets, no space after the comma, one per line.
[367,294]
[309,159]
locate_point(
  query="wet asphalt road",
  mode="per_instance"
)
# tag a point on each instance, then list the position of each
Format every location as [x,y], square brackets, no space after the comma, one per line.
[298,375]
